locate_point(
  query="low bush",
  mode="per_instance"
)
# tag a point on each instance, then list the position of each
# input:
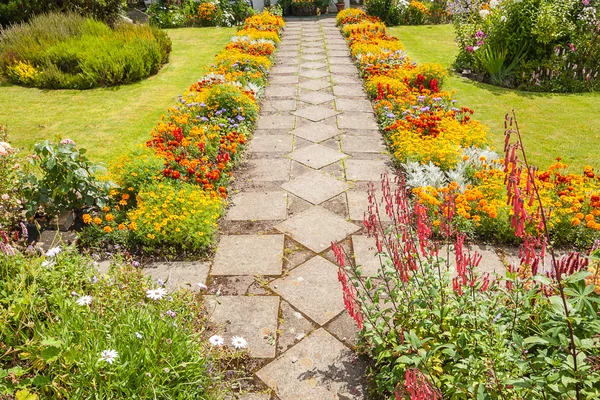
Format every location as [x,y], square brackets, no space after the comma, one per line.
[67,51]
[405,12]
[68,332]
[169,14]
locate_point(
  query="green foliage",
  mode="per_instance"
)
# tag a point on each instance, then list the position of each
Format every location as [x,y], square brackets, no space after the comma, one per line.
[55,339]
[68,51]
[168,14]
[10,188]
[60,178]
[388,11]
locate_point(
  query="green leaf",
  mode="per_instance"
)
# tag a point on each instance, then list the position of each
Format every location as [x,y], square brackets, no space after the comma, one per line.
[24,394]
[578,276]
[535,340]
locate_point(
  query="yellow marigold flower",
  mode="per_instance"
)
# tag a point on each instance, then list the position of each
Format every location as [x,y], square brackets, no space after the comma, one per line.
[575,221]
[579,216]
[121,227]
[110,217]
[107,229]
[97,220]
[105,209]
[87,218]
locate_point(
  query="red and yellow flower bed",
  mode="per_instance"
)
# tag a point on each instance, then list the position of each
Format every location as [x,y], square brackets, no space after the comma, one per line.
[423,126]
[176,191]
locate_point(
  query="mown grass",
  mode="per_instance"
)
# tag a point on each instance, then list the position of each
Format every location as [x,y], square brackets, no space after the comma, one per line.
[109,121]
[553,125]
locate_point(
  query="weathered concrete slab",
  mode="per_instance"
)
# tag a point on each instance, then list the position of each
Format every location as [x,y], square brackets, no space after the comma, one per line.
[279,144]
[315,187]
[258,206]
[268,170]
[316,156]
[316,132]
[316,113]
[365,170]
[249,255]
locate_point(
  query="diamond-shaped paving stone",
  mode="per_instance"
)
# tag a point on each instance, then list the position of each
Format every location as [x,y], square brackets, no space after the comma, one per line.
[316,50]
[249,255]
[271,143]
[358,204]
[314,73]
[313,64]
[349,91]
[283,122]
[312,288]
[280,91]
[313,57]
[319,367]
[343,69]
[252,317]
[258,206]
[268,170]
[316,156]
[284,70]
[315,187]
[356,121]
[362,144]
[314,113]
[313,43]
[179,275]
[278,105]
[315,84]
[316,132]
[353,105]
[365,170]
[315,97]
[316,228]
[365,256]
[279,79]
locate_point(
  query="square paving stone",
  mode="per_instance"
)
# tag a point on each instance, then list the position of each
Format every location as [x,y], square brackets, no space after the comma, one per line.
[314,113]
[337,47]
[315,84]
[338,53]
[316,156]
[179,275]
[274,91]
[316,132]
[316,228]
[349,91]
[313,288]
[249,255]
[268,170]
[278,105]
[284,70]
[355,121]
[315,187]
[284,79]
[319,367]
[353,105]
[258,206]
[345,79]
[341,61]
[362,144]
[365,170]
[315,50]
[314,73]
[283,122]
[358,204]
[252,317]
[313,43]
[313,57]
[313,64]
[271,143]
[343,69]
[314,97]
[365,256]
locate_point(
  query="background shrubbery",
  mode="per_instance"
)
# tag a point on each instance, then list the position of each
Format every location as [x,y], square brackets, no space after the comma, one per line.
[408,12]
[70,51]
[174,14]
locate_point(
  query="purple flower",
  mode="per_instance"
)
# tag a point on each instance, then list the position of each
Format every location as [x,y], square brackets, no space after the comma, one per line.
[204,119]
[202,105]
[219,112]
[421,98]
[171,314]
[424,109]
[437,99]
[240,118]
[390,115]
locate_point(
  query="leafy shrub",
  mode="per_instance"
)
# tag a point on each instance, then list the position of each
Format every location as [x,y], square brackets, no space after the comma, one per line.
[10,188]
[68,51]
[389,11]
[58,342]
[168,14]
[61,178]
[175,215]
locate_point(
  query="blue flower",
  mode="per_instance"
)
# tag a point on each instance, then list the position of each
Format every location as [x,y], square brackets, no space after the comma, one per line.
[424,109]
[391,115]
[204,119]
[202,105]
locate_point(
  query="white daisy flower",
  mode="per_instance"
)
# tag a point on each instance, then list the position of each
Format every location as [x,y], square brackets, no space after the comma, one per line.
[216,340]
[239,342]
[202,286]
[138,335]
[156,294]
[53,252]
[84,300]
[110,356]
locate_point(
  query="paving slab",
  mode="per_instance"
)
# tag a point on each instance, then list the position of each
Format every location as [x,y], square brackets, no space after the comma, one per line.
[316,156]
[284,70]
[278,91]
[320,367]
[313,64]
[315,113]
[279,79]
[178,274]
[356,121]
[313,57]
[279,144]
[352,105]
[358,204]
[282,122]
[365,254]
[338,53]
[316,131]
[341,61]
[349,91]
[313,50]
[268,170]
[314,73]
[315,187]
[279,105]
[252,317]
[249,255]
[316,228]
[315,84]
[362,144]
[345,329]
[293,327]
[365,170]
[258,206]
[313,288]
[314,97]
[343,70]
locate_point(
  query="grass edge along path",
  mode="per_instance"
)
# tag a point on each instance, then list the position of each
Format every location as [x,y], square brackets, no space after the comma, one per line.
[108,122]
[553,124]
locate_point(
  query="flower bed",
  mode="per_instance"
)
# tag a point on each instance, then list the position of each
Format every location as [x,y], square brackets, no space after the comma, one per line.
[444,151]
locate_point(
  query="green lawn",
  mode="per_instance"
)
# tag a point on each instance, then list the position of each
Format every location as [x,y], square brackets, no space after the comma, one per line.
[554,125]
[110,121]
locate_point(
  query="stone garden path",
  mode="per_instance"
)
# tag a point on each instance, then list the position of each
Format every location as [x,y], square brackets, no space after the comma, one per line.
[304,185]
